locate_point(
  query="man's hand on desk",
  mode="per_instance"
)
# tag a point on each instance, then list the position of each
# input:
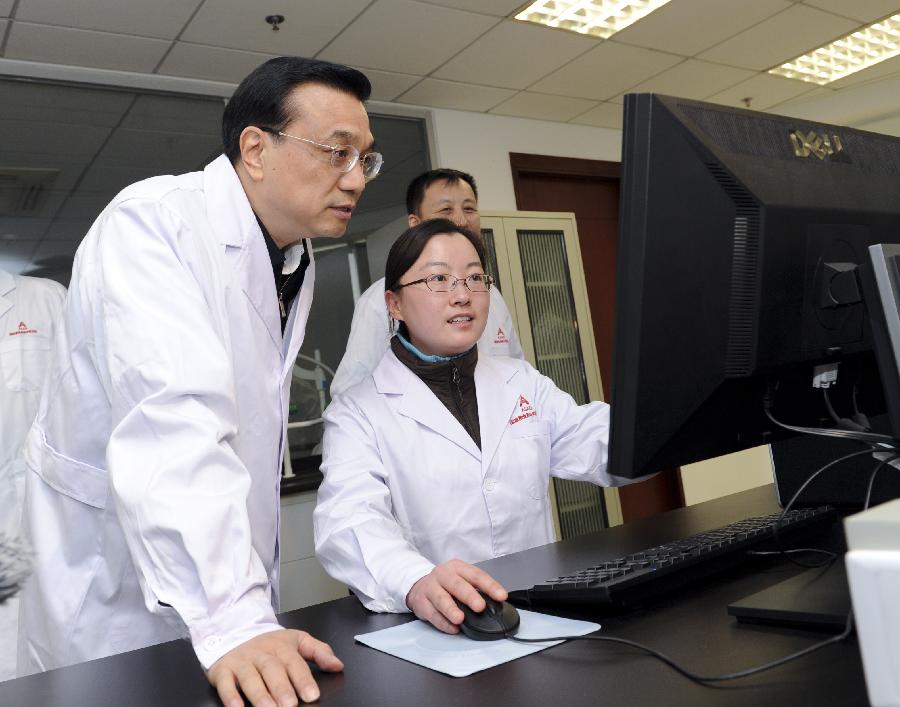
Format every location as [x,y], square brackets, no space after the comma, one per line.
[432,597]
[271,670]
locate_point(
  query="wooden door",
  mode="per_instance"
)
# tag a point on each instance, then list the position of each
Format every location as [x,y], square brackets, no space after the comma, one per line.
[590,189]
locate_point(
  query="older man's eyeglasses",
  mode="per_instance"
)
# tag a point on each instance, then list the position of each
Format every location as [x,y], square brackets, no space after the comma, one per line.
[343,157]
[477,282]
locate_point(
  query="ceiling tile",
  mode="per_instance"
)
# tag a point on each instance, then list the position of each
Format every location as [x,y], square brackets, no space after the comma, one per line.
[57,140]
[497,58]
[5,7]
[886,126]
[784,107]
[605,71]
[386,86]
[212,63]
[687,27]
[409,34]
[543,107]
[70,105]
[460,96]
[780,38]
[498,8]
[60,45]
[693,79]
[160,18]
[763,90]
[17,231]
[15,250]
[307,27]
[171,152]
[201,116]
[606,115]
[863,10]
[107,181]
[55,248]
[80,207]
[72,230]
[886,68]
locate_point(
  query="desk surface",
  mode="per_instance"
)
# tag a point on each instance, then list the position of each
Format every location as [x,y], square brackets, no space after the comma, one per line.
[692,626]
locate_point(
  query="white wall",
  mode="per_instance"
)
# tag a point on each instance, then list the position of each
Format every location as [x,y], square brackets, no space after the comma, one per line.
[480,144]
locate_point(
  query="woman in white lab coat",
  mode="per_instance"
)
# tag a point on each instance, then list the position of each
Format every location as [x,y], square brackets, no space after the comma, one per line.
[442,458]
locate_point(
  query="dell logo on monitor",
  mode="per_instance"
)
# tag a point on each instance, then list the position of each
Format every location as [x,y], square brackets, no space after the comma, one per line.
[811,143]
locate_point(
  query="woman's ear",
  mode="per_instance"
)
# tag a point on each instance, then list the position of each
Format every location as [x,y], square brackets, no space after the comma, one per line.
[392,300]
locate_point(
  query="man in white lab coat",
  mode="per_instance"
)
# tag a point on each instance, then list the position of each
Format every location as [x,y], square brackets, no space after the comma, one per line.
[154,463]
[438,193]
[29,308]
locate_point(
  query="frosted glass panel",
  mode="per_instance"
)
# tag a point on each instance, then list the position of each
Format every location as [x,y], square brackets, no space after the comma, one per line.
[551,309]
[558,355]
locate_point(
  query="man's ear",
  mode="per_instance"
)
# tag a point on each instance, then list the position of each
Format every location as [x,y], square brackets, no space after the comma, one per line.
[393,304]
[413,220]
[253,152]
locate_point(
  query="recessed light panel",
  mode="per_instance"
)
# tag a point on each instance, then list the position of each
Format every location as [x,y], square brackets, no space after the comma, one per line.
[847,55]
[597,18]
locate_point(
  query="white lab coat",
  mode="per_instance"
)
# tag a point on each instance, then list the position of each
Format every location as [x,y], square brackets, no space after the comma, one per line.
[406,488]
[152,496]
[370,336]
[29,307]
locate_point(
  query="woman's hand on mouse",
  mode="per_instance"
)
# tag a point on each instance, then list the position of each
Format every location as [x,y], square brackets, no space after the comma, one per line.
[432,597]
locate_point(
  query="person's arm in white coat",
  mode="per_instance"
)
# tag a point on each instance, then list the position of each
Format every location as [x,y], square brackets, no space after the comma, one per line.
[360,543]
[369,339]
[179,488]
[358,540]
[579,445]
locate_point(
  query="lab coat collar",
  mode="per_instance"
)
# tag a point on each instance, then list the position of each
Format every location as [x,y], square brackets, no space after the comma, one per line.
[7,287]
[419,403]
[497,399]
[235,225]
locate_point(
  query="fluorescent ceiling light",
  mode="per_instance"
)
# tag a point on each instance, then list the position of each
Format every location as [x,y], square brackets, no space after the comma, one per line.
[598,18]
[847,55]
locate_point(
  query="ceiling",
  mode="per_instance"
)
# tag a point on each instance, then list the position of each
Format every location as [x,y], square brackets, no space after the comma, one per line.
[462,54]
[458,54]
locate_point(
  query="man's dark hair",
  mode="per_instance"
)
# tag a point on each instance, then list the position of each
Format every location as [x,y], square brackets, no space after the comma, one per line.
[261,98]
[415,192]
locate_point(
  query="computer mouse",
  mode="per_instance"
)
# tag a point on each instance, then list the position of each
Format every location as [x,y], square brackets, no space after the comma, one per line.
[499,619]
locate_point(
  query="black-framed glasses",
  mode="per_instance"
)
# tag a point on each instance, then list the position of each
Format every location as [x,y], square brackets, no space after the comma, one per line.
[343,157]
[476,282]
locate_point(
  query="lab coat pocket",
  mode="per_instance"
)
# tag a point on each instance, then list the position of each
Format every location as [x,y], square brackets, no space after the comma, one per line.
[70,477]
[23,361]
[531,449]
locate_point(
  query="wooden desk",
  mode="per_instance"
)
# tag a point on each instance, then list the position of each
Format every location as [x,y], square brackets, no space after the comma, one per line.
[692,626]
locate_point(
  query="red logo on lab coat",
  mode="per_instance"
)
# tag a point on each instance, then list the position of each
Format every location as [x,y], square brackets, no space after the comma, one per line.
[500,338]
[23,329]
[526,410]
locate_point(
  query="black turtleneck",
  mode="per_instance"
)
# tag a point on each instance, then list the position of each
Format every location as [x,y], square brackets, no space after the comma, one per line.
[452,382]
[286,286]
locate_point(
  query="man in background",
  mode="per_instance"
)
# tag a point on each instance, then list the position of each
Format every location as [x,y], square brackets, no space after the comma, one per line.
[29,308]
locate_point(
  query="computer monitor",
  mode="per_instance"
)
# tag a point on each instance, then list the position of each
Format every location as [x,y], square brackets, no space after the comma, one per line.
[735,227]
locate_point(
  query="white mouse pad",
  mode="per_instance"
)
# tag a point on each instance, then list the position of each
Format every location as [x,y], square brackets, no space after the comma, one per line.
[458,656]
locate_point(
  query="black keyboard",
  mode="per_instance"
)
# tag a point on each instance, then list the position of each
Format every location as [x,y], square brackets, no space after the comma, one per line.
[628,580]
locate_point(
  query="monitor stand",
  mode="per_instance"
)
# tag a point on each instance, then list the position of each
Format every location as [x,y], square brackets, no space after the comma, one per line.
[815,599]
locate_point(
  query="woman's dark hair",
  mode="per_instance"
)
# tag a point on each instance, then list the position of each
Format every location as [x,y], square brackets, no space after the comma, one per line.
[409,246]
[261,98]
